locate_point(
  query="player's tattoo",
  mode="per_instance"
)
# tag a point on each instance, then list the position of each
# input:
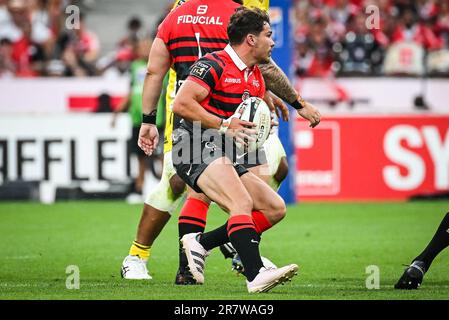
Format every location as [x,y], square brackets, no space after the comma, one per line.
[277,82]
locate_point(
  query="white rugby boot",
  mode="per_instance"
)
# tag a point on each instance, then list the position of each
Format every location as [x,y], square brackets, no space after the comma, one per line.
[268,278]
[196,256]
[134,268]
[267,263]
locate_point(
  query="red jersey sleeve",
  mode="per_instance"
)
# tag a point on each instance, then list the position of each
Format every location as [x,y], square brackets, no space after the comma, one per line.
[206,72]
[163,31]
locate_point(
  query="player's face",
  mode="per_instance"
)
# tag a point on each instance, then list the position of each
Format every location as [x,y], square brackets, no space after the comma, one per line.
[264,45]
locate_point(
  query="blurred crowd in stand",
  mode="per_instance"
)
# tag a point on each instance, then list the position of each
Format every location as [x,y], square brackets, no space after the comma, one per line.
[331,38]
[38,38]
[371,37]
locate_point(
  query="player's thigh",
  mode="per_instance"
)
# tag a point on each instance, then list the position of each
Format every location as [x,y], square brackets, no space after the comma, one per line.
[177,185]
[276,162]
[282,171]
[221,183]
[268,161]
[162,196]
[262,171]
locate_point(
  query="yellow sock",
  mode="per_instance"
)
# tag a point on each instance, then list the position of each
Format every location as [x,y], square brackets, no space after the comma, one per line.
[137,249]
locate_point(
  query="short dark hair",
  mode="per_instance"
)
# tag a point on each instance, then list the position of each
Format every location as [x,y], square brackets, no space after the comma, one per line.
[245,21]
[5,42]
[134,23]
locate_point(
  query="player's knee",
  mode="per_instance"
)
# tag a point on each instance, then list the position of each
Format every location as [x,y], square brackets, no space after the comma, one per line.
[177,185]
[282,170]
[279,210]
[275,210]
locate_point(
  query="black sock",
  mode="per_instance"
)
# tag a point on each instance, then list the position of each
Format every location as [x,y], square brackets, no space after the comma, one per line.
[439,241]
[245,240]
[215,238]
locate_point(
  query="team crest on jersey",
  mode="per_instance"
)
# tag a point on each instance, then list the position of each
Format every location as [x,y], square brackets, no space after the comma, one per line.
[200,69]
[246,95]
[256,83]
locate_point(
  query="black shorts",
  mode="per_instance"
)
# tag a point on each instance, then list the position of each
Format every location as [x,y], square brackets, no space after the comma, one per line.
[192,155]
[251,159]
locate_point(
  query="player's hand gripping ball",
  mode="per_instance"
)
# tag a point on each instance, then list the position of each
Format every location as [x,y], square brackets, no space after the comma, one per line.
[255,110]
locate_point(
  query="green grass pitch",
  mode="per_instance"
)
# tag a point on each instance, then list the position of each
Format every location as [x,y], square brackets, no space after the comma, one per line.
[333,243]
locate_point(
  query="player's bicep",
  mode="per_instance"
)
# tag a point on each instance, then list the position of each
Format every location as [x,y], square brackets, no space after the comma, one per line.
[188,99]
[159,60]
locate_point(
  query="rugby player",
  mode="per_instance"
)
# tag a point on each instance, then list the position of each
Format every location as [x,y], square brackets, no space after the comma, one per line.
[164,199]
[133,103]
[208,101]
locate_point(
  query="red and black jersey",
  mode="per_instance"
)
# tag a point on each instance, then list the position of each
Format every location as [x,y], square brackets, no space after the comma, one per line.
[193,30]
[228,81]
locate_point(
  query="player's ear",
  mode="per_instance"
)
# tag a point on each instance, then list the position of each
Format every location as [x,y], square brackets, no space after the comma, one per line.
[251,40]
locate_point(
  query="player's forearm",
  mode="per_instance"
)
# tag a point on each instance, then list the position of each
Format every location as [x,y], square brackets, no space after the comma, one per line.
[152,88]
[277,82]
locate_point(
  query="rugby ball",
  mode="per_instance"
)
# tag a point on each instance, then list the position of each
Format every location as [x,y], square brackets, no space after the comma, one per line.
[255,110]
